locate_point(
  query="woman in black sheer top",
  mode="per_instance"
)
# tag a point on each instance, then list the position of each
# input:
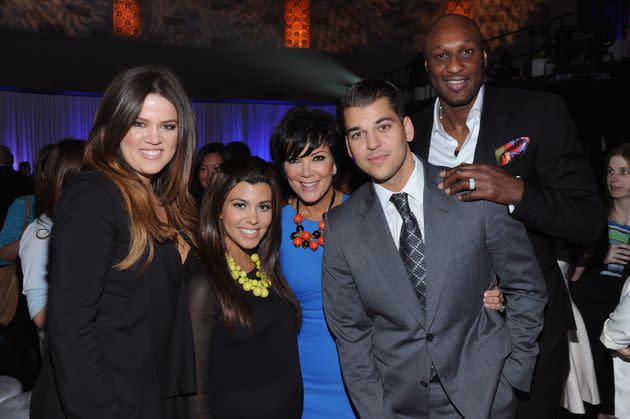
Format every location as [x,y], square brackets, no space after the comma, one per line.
[244,316]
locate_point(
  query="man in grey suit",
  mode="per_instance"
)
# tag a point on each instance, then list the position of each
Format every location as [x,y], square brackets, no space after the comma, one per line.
[404,271]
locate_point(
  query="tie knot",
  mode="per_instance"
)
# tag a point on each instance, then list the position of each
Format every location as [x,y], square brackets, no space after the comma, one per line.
[401,202]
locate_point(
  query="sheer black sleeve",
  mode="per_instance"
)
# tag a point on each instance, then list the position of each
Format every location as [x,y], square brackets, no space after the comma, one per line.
[203,306]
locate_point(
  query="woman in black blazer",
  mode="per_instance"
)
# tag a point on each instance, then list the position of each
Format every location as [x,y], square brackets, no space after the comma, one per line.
[120,338]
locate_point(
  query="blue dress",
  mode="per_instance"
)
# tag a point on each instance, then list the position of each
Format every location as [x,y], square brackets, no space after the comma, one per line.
[324,392]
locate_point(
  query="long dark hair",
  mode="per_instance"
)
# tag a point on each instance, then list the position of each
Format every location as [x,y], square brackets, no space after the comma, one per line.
[212,247]
[65,160]
[118,109]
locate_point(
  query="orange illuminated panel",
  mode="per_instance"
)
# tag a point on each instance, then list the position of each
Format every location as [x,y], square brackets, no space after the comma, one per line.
[297,23]
[127,18]
[459,7]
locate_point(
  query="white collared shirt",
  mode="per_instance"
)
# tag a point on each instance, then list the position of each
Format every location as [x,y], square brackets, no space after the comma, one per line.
[415,189]
[443,146]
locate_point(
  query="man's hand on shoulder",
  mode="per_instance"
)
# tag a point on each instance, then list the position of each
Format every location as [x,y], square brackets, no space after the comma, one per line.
[484,182]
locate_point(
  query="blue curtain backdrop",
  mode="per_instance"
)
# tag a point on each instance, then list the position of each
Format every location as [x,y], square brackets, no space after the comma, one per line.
[30,120]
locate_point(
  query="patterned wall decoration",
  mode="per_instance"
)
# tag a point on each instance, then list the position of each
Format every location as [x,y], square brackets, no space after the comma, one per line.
[496,17]
[297,23]
[72,18]
[336,26]
[459,7]
[127,18]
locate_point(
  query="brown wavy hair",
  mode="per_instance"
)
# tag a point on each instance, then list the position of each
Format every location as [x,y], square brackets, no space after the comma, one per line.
[64,162]
[212,247]
[117,111]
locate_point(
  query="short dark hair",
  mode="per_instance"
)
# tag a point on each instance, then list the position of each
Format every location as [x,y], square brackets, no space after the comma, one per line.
[302,128]
[6,157]
[367,91]
[237,150]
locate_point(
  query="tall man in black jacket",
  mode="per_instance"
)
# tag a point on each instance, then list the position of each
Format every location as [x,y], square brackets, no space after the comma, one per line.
[517,148]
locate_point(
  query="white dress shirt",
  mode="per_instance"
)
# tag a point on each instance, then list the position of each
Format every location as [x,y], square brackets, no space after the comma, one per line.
[415,189]
[443,146]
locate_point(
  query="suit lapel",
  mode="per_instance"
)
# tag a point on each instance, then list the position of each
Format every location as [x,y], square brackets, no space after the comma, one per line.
[378,237]
[493,124]
[438,240]
[423,137]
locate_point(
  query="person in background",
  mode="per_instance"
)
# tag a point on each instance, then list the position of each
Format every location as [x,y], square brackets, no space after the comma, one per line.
[64,163]
[598,290]
[12,183]
[209,158]
[238,150]
[19,349]
[245,317]
[616,337]
[119,338]
[25,168]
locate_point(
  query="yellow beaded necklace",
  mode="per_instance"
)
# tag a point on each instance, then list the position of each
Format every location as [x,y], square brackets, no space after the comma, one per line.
[259,286]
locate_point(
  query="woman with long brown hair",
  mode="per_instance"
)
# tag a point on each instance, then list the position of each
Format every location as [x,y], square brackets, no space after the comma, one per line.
[64,162]
[119,252]
[245,317]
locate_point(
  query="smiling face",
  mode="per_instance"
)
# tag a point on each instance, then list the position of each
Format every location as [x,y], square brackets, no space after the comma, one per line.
[150,143]
[247,214]
[209,165]
[618,177]
[455,60]
[310,176]
[378,141]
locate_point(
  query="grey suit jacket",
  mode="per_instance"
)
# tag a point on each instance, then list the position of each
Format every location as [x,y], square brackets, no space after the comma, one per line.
[386,343]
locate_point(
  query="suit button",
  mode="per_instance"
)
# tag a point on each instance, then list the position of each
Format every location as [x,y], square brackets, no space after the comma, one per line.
[430,337]
[424,383]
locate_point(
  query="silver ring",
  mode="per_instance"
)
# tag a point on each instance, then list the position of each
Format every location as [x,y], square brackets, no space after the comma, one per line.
[501,308]
[471,184]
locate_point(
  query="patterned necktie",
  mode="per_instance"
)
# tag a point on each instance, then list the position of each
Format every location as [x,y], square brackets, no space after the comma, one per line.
[411,246]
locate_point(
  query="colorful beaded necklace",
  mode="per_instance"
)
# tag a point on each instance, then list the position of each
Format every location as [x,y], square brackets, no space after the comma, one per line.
[304,239]
[259,286]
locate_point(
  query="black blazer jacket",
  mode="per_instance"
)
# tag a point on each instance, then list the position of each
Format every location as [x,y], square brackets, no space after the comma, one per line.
[120,341]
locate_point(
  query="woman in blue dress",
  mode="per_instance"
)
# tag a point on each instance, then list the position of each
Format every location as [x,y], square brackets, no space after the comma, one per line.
[305,146]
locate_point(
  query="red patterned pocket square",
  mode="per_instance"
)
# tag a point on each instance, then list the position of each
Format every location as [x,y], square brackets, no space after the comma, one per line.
[511,150]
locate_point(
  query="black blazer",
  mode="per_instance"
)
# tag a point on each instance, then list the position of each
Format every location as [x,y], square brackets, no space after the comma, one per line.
[120,341]
[560,199]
